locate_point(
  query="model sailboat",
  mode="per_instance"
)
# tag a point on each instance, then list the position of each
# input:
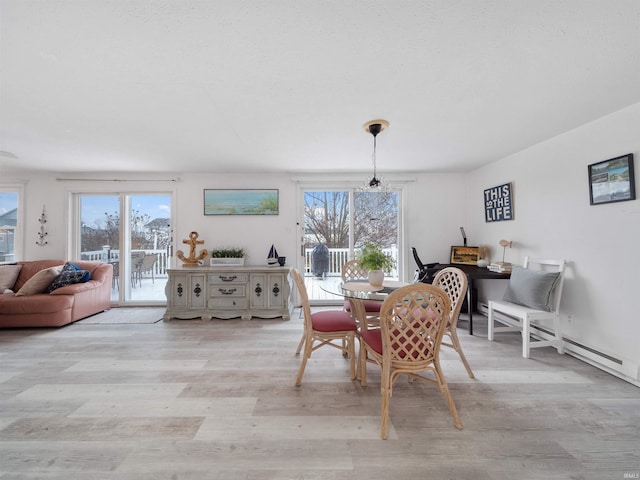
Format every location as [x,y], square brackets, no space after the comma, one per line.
[272,258]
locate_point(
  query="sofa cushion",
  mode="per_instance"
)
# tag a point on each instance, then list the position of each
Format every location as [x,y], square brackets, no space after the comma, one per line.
[8,276]
[70,274]
[40,281]
[30,268]
[42,303]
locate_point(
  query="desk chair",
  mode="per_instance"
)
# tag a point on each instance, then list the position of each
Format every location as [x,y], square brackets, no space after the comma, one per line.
[533,295]
[425,272]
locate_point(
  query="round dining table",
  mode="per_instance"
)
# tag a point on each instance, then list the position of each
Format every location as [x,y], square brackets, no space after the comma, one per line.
[358,291]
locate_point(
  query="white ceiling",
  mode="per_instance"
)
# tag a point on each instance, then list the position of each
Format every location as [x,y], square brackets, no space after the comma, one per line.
[286,85]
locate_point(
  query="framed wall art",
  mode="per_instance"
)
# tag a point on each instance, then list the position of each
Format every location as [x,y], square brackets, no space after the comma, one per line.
[465,255]
[498,203]
[612,180]
[241,202]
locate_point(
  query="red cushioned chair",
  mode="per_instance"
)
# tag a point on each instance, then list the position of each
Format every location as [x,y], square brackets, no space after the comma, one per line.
[413,320]
[334,328]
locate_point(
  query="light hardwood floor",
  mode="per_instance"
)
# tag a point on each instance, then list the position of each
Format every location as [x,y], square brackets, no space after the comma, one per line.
[216,400]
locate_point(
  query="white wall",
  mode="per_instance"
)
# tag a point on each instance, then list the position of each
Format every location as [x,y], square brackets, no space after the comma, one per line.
[553,219]
[433,210]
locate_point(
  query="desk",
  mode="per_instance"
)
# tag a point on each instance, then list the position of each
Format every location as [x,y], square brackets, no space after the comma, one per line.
[474,272]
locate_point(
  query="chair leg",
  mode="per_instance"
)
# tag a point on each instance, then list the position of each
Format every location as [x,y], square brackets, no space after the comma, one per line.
[385,393]
[300,345]
[444,388]
[308,348]
[362,365]
[458,348]
[351,346]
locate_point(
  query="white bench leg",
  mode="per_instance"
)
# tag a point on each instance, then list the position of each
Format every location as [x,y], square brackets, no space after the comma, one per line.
[526,336]
[490,323]
[558,334]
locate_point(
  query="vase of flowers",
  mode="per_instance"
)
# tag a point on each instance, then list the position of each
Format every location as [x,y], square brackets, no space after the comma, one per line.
[373,259]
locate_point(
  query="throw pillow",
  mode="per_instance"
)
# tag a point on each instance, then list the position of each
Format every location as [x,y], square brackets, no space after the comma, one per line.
[8,276]
[40,281]
[531,288]
[69,277]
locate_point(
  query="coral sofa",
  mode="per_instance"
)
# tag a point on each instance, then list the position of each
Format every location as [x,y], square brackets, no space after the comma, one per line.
[60,306]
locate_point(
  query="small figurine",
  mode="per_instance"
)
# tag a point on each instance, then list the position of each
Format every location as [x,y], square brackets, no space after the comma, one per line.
[272,258]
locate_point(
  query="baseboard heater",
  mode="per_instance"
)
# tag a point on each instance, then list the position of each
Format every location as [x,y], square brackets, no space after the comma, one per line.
[626,370]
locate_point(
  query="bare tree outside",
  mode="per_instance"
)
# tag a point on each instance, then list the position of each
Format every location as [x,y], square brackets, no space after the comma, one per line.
[107,232]
[327,218]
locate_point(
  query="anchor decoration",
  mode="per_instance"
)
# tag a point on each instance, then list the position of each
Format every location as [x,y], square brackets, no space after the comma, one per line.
[192,241]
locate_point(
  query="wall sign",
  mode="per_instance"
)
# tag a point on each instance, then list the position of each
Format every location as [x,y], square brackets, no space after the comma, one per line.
[498,203]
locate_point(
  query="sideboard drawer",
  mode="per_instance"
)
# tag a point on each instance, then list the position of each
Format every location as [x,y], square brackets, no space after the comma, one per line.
[228,290]
[227,278]
[228,302]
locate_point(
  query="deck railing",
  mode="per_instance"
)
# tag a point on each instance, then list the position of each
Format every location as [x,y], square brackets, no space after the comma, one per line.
[337,258]
[111,255]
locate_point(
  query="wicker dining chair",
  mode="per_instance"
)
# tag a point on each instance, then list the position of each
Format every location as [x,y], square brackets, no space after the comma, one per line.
[353,271]
[334,328]
[412,324]
[454,282]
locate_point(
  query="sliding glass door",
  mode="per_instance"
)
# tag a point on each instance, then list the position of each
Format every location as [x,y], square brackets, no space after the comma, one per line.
[133,233]
[337,223]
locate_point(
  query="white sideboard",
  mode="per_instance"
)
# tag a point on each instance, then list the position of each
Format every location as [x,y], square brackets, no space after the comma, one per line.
[228,292]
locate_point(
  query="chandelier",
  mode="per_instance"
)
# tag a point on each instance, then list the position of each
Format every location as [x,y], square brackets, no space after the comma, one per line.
[375,184]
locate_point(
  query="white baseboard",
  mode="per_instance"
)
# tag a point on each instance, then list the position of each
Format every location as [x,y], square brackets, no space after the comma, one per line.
[622,368]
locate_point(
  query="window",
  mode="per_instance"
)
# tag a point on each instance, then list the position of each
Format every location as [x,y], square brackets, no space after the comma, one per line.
[11,225]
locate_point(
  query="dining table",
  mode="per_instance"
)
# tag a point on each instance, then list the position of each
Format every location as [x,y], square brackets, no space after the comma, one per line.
[358,291]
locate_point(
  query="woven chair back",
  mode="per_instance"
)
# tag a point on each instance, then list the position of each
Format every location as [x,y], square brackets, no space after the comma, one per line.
[353,271]
[412,321]
[454,282]
[304,297]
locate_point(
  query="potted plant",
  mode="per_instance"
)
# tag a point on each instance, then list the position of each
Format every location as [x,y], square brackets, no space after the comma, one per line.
[227,256]
[372,258]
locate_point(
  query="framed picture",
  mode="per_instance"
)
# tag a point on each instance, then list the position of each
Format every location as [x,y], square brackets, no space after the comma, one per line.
[498,203]
[465,255]
[612,180]
[241,202]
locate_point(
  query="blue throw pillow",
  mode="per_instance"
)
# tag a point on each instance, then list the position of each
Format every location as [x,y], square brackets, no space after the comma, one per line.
[531,288]
[71,273]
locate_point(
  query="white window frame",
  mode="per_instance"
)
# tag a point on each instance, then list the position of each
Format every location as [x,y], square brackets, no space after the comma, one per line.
[19,233]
